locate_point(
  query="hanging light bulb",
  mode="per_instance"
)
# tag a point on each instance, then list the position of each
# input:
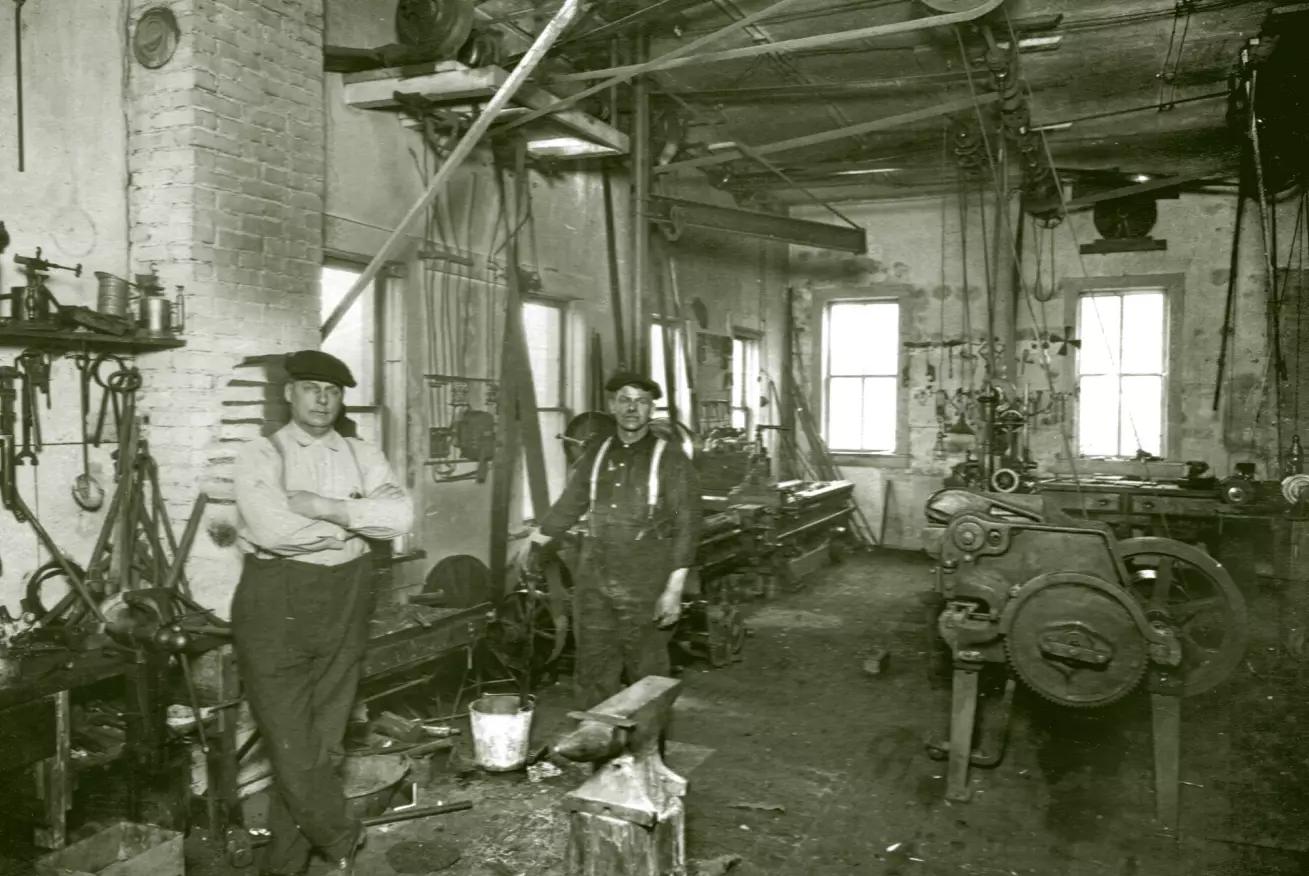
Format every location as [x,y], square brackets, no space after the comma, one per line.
[960,437]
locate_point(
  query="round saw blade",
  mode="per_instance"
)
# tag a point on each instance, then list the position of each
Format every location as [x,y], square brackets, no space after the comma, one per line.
[1073,641]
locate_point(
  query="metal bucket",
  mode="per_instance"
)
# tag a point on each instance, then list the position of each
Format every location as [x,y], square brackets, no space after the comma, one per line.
[112,294]
[373,782]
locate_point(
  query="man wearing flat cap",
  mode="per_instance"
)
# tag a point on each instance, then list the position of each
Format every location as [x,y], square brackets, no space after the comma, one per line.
[309,502]
[642,501]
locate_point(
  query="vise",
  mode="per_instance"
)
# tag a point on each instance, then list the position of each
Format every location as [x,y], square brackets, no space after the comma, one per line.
[627,819]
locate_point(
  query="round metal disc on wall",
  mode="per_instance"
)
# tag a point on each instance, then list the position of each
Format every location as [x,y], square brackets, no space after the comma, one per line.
[155,37]
[436,26]
[463,579]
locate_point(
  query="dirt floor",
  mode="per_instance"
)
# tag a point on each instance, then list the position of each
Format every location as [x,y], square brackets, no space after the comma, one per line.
[801,763]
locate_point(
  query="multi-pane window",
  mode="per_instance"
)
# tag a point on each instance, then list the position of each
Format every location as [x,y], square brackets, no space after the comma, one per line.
[543,326]
[354,341]
[1121,370]
[745,382]
[681,393]
[860,366]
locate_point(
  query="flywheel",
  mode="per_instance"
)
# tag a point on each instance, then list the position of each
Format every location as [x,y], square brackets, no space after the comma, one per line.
[523,635]
[1189,591]
[1073,640]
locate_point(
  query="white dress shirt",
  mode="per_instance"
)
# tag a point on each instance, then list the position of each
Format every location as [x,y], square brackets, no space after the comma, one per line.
[331,466]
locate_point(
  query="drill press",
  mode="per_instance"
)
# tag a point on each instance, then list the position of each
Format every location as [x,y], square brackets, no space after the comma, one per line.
[627,819]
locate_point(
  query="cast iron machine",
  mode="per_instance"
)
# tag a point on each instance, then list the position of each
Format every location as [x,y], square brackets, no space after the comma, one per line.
[1080,617]
[627,819]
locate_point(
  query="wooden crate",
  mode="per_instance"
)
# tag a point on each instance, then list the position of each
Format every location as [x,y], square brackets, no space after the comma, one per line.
[125,849]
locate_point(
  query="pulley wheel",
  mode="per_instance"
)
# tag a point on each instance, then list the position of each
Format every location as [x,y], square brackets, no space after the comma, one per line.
[1189,591]
[676,433]
[523,635]
[584,429]
[436,26]
[1005,480]
[463,579]
[1073,640]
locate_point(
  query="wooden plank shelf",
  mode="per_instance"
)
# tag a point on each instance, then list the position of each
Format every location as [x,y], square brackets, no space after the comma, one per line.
[27,335]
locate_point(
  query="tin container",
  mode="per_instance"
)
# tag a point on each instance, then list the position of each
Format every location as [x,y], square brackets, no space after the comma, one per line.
[112,294]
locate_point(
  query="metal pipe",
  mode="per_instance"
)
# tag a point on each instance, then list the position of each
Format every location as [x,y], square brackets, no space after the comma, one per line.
[547,38]
[640,215]
[411,814]
[1005,311]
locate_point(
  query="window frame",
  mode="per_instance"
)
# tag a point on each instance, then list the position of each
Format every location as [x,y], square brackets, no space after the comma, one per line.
[564,409]
[1173,287]
[746,336]
[816,378]
[381,339]
[680,394]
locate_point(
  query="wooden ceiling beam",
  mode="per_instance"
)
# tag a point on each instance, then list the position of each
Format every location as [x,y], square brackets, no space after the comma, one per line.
[735,153]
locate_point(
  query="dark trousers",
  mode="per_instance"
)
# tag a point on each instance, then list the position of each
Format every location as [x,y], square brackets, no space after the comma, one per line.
[300,632]
[614,600]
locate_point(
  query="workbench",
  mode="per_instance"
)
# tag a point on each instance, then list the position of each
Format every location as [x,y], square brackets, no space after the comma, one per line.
[35,726]
[1138,507]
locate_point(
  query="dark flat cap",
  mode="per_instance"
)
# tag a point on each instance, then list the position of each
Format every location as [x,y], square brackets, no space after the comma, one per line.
[317,365]
[631,378]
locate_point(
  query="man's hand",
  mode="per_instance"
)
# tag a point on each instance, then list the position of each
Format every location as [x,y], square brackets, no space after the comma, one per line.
[317,507]
[535,537]
[668,609]
[306,504]
[387,491]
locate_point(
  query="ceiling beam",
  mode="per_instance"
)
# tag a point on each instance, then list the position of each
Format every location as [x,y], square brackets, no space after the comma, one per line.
[791,45]
[736,153]
[816,91]
[1131,191]
[660,10]
[679,214]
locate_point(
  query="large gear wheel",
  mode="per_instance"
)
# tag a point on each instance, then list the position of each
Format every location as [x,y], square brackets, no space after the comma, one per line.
[1190,592]
[1072,639]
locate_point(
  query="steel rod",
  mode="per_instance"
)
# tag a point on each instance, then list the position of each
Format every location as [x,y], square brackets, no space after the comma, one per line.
[411,814]
[547,38]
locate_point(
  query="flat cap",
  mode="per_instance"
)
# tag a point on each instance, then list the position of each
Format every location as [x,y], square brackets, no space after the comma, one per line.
[317,365]
[631,378]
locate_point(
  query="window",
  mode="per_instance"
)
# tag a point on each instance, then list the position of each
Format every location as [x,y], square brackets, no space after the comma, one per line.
[355,342]
[860,364]
[1121,370]
[745,382]
[682,392]
[543,327]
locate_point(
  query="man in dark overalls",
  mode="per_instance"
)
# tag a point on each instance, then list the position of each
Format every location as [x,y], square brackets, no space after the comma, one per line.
[309,501]
[642,498]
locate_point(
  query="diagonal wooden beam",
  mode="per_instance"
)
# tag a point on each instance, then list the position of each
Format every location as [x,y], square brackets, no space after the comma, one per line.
[1153,185]
[944,109]
[549,34]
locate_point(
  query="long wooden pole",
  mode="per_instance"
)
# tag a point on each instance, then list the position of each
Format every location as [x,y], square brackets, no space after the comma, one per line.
[566,15]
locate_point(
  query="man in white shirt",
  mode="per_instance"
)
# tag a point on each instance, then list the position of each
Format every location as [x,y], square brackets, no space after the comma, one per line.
[309,501]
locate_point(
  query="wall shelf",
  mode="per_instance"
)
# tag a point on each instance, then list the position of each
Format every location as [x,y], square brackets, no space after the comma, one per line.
[26,335]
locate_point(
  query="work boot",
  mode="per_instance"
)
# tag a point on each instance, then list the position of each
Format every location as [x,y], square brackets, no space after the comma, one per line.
[346,866]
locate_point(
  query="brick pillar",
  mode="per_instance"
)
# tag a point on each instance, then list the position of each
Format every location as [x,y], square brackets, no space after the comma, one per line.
[226,155]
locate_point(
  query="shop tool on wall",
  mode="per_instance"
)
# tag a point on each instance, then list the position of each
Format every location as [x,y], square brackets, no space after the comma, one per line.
[33,302]
[1079,616]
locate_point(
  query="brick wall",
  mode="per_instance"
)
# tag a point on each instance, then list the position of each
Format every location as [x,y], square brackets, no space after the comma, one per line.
[226,161]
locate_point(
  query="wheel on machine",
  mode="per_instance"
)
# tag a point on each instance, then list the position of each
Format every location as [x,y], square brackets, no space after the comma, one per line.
[1193,594]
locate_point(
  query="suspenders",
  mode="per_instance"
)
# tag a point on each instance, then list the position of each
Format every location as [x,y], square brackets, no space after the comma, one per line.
[276,441]
[652,486]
